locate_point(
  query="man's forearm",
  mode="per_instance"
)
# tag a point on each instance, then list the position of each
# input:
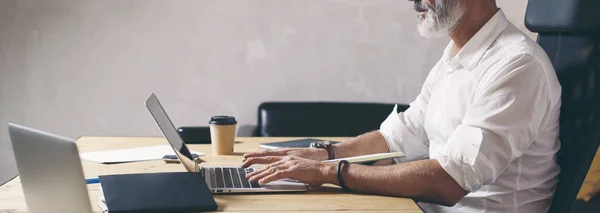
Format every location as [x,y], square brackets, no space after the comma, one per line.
[423,180]
[368,143]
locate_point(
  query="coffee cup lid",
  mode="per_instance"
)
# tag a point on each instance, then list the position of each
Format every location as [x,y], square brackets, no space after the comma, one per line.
[222,120]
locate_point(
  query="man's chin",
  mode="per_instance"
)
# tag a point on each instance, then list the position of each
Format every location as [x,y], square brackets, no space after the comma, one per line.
[430,33]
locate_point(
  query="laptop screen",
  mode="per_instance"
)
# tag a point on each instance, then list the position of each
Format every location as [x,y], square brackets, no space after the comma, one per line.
[168,129]
[8,167]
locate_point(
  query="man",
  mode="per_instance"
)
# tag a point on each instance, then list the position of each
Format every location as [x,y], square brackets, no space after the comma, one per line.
[480,137]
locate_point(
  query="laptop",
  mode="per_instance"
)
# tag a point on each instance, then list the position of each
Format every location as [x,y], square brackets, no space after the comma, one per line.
[50,170]
[8,167]
[218,179]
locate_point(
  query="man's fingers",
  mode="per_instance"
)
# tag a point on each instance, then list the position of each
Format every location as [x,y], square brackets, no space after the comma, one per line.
[260,173]
[261,160]
[275,152]
[255,154]
[275,176]
[271,166]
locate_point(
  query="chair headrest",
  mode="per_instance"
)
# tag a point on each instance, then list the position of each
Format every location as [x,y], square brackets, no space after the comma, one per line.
[563,15]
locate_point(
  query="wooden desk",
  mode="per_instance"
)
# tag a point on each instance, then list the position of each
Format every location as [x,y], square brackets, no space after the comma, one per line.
[591,184]
[326,198]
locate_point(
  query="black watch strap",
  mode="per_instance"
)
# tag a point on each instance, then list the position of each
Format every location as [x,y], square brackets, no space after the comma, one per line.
[330,151]
[328,146]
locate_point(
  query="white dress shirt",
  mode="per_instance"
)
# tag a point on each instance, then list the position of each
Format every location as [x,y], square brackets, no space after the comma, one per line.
[489,116]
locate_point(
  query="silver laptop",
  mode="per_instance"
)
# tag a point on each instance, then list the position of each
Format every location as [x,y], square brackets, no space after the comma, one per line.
[50,171]
[8,167]
[218,179]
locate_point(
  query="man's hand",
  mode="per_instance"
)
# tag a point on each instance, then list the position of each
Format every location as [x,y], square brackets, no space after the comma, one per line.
[307,171]
[308,153]
[369,143]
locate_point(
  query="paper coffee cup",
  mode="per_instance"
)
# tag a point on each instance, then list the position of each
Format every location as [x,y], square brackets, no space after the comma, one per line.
[222,134]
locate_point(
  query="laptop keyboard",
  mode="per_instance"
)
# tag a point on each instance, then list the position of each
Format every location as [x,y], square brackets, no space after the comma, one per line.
[230,178]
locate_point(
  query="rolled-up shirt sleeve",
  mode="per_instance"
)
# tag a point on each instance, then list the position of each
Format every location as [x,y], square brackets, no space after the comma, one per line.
[404,131]
[502,121]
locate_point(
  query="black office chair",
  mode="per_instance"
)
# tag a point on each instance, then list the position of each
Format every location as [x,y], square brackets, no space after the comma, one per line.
[569,32]
[325,119]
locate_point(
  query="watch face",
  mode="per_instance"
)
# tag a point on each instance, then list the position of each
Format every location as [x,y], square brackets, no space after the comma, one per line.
[317,144]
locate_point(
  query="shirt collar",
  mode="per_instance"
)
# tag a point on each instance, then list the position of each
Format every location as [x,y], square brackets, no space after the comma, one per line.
[470,55]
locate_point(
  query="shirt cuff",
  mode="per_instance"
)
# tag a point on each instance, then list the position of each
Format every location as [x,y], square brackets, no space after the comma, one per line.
[465,175]
[462,160]
[399,138]
[387,130]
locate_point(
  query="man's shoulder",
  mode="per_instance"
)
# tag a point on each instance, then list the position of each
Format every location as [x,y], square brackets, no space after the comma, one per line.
[512,44]
[513,50]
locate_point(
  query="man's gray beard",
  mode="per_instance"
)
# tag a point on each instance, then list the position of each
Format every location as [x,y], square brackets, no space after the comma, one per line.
[441,19]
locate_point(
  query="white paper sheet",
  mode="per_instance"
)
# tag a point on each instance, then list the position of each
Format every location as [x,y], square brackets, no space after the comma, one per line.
[131,155]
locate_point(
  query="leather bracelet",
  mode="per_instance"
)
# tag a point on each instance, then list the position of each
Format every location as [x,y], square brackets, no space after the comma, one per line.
[339,175]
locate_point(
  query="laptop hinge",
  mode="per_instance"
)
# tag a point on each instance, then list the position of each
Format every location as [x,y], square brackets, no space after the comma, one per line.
[197,167]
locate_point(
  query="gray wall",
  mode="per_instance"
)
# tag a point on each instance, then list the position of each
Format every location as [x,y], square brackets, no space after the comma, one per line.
[82,67]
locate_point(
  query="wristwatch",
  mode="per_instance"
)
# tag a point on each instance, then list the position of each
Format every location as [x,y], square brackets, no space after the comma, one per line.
[324,145]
